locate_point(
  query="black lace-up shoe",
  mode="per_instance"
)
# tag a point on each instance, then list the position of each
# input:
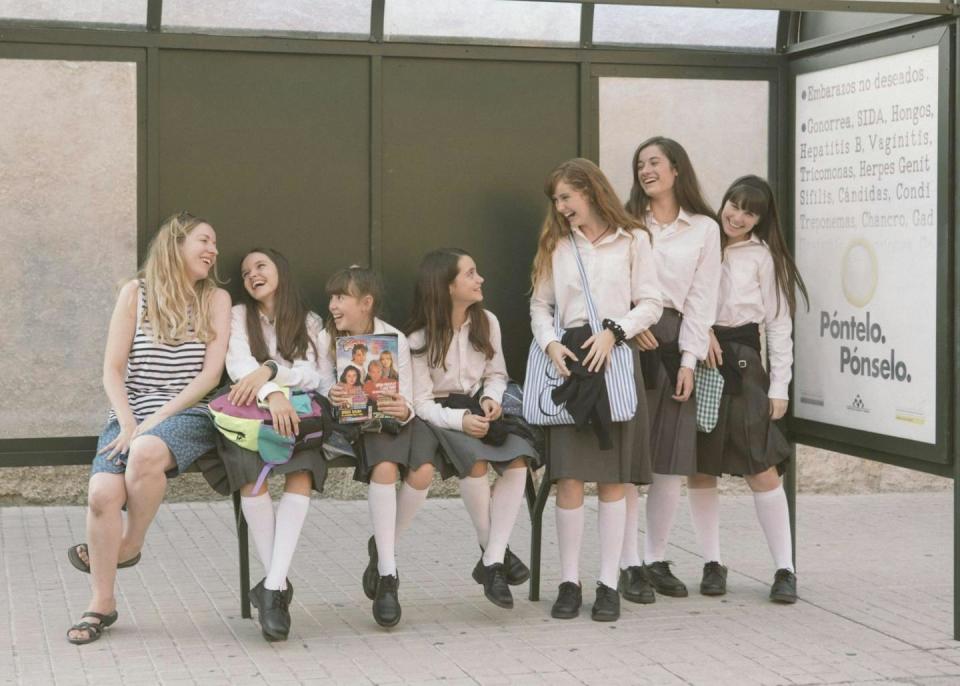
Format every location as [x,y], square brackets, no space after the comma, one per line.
[714,580]
[514,569]
[494,583]
[272,612]
[784,589]
[370,574]
[386,604]
[606,608]
[568,602]
[663,580]
[635,587]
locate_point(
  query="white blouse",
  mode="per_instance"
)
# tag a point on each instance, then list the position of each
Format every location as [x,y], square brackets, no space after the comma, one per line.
[687,253]
[748,294]
[623,284]
[468,370]
[303,374]
[328,372]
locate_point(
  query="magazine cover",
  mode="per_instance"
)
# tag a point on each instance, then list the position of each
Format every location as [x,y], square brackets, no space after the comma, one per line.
[367,364]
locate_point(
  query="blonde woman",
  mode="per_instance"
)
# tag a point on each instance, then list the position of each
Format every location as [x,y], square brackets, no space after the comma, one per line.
[165,352]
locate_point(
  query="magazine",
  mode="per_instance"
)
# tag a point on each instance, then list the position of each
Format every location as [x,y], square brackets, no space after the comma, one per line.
[367,364]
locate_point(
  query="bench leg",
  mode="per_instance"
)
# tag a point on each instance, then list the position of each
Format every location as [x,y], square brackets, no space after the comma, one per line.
[536,532]
[244,556]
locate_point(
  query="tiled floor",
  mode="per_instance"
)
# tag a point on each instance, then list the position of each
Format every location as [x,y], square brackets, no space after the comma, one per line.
[875,585]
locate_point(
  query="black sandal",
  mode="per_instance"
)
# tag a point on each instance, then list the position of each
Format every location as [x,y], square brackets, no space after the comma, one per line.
[94,631]
[84,567]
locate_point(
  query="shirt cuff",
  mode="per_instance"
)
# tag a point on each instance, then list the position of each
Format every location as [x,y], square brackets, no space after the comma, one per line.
[454,418]
[688,360]
[779,391]
[266,389]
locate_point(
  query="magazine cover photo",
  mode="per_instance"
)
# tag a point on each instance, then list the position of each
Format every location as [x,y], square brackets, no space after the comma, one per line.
[367,365]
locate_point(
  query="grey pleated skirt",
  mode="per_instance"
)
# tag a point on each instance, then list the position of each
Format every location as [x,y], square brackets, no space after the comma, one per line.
[576,455]
[458,453]
[673,425]
[396,448]
[744,440]
[232,466]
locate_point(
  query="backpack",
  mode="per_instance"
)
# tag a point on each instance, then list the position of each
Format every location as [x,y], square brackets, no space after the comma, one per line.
[251,427]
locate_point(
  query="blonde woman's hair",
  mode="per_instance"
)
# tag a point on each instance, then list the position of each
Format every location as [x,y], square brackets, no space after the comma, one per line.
[177,310]
[584,176]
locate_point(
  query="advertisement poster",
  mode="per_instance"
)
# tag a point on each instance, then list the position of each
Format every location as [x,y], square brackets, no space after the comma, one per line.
[865,216]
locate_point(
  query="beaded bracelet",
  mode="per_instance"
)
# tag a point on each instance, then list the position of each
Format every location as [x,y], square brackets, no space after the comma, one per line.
[618,333]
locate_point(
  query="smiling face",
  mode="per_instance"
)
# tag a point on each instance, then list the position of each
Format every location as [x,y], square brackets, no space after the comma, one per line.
[351,376]
[260,277]
[198,250]
[350,313]
[654,171]
[374,371]
[573,205]
[386,361]
[466,288]
[737,222]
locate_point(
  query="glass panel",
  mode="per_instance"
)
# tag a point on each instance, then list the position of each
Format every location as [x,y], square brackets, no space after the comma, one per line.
[335,17]
[483,21]
[622,25]
[68,170]
[691,111]
[128,12]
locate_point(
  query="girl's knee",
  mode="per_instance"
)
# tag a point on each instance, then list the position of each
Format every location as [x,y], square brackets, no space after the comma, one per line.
[610,492]
[519,463]
[764,481]
[479,469]
[569,493]
[384,473]
[298,482]
[148,456]
[420,477]
[103,498]
[701,481]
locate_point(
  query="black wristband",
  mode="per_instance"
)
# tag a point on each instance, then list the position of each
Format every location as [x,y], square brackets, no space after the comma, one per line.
[618,333]
[274,368]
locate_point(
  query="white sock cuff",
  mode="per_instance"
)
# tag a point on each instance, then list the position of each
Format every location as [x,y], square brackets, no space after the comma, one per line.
[769,495]
[297,498]
[378,488]
[255,499]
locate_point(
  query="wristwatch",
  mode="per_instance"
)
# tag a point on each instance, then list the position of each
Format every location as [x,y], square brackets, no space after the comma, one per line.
[274,368]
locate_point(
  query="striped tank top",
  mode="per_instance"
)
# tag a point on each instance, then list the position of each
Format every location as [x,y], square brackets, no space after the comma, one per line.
[157,372]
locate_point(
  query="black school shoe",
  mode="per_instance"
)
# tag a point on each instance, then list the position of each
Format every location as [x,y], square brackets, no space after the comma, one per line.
[714,581]
[514,568]
[568,602]
[606,608]
[272,611]
[663,580]
[494,582]
[371,575]
[635,587]
[386,604]
[784,589]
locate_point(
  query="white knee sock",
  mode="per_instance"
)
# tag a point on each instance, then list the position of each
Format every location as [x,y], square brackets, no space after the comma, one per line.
[258,511]
[611,519]
[663,497]
[629,554]
[382,501]
[775,520]
[705,513]
[475,494]
[409,501]
[569,538]
[291,512]
[504,507]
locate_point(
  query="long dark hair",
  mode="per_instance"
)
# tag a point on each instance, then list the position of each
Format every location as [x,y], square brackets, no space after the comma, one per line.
[752,194]
[354,281]
[686,187]
[290,315]
[432,309]
[585,177]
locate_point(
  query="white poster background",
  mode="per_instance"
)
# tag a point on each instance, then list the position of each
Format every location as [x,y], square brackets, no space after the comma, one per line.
[866,227]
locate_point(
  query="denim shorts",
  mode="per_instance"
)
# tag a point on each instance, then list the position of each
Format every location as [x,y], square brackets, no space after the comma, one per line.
[187,434]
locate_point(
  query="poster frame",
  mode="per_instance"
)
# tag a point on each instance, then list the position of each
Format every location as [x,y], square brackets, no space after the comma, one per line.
[932,458]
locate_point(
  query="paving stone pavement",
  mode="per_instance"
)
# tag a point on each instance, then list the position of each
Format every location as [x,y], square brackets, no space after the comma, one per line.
[874,575]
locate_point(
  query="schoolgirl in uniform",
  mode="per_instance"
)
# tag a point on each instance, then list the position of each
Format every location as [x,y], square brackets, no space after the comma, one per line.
[457,355]
[273,344]
[164,355]
[355,299]
[616,253]
[686,247]
[757,286]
